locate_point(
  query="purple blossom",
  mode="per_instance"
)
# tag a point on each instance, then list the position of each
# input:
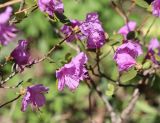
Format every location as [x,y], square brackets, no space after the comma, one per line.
[153,49]
[69,31]
[51,6]
[156,8]
[95,39]
[125,61]
[5,16]
[126,54]
[34,96]
[72,73]
[154,44]
[7,32]
[20,54]
[130,26]
[93,30]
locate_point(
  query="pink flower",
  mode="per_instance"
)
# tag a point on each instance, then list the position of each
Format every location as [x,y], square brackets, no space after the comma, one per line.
[34,96]
[154,46]
[51,6]
[72,73]
[20,54]
[5,16]
[156,8]
[93,31]
[7,31]
[125,61]
[126,54]
[130,26]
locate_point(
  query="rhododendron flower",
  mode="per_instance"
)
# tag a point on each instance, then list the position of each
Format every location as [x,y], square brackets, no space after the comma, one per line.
[130,26]
[154,44]
[34,96]
[72,73]
[153,49]
[20,54]
[69,31]
[93,30]
[51,6]
[156,8]
[95,39]
[126,54]
[5,16]
[7,32]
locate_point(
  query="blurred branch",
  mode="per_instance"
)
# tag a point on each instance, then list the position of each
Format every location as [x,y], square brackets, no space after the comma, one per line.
[8,78]
[148,30]
[131,8]
[21,5]
[6,103]
[128,110]
[90,105]
[135,96]
[143,23]
[119,11]
[6,87]
[9,3]
[105,100]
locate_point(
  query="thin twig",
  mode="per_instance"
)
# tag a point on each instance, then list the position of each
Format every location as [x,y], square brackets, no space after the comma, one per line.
[148,30]
[6,103]
[105,100]
[119,11]
[129,109]
[9,3]
[12,87]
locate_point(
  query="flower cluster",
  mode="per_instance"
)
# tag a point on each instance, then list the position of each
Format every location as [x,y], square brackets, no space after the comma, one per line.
[93,30]
[75,71]
[156,8]
[126,54]
[72,73]
[7,32]
[153,50]
[34,96]
[20,54]
[51,6]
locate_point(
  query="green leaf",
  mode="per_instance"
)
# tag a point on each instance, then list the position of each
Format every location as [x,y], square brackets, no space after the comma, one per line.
[63,19]
[126,76]
[20,16]
[115,39]
[68,56]
[147,65]
[30,2]
[110,89]
[157,57]
[145,107]
[142,3]
[57,84]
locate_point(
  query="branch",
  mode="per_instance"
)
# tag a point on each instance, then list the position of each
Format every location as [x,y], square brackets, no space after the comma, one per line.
[10,101]
[148,30]
[119,11]
[129,109]
[105,100]
[9,3]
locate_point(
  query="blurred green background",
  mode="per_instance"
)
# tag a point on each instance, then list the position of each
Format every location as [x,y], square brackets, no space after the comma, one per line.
[73,107]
